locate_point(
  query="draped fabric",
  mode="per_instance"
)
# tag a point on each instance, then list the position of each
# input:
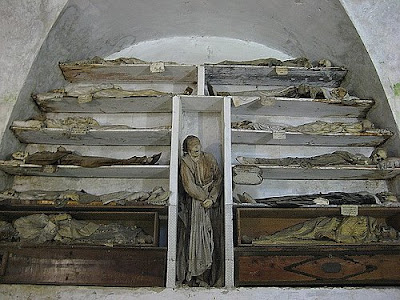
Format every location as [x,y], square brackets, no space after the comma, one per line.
[201,180]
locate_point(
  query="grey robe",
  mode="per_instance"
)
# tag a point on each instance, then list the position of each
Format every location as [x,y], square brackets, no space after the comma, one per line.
[201,180]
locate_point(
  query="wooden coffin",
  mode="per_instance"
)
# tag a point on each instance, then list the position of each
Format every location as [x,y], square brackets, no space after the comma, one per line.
[308,264]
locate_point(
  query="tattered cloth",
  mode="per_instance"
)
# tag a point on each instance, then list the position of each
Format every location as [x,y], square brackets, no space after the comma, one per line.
[271,62]
[329,159]
[358,229]
[333,198]
[40,228]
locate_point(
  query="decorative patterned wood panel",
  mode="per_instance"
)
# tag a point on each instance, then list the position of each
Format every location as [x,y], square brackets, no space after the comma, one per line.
[336,267]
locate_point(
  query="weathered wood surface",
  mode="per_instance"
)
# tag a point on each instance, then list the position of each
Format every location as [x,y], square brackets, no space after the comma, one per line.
[327,172]
[98,73]
[304,107]
[134,171]
[102,266]
[48,204]
[273,76]
[263,137]
[94,137]
[108,105]
[311,265]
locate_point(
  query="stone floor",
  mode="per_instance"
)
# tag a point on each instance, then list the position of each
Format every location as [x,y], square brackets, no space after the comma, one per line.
[17,292]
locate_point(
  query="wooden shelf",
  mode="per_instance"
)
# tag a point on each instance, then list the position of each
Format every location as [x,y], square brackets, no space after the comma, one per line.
[303,107]
[310,212]
[327,172]
[124,171]
[94,137]
[128,73]
[273,76]
[152,104]
[48,205]
[263,137]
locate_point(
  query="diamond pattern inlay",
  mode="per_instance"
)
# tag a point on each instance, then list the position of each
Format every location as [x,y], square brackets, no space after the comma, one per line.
[330,268]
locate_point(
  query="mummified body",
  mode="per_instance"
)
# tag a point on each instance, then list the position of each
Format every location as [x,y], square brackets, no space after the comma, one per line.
[354,229]
[200,212]
[65,157]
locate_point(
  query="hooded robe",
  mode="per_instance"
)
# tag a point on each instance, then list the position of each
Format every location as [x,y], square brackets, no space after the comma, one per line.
[201,180]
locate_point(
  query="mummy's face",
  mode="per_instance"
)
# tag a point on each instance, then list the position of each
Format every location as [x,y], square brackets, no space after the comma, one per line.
[194,150]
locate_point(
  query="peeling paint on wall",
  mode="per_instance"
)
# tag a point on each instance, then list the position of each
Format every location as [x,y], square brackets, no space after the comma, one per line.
[9,98]
[396,89]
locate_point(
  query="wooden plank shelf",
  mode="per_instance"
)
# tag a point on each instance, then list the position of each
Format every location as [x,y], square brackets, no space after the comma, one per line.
[310,212]
[303,107]
[94,137]
[273,76]
[264,137]
[341,172]
[151,104]
[123,171]
[48,204]
[127,73]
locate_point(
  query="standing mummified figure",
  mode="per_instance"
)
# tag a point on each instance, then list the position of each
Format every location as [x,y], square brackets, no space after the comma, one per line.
[200,226]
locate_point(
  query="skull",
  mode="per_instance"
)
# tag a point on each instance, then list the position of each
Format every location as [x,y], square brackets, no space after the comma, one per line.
[367,125]
[325,63]
[339,92]
[20,155]
[378,155]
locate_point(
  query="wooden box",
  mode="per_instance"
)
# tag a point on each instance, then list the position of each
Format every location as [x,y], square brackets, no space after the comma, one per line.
[81,264]
[327,263]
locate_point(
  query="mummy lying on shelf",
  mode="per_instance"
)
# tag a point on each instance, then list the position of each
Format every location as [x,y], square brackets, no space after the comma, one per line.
[378,157]
[87,93]
[273,62]
[333,198]
[330,95]
[113,62]
[73,124]
[349,230]
[64,157]
[157,196]
[62,228]
[317,127]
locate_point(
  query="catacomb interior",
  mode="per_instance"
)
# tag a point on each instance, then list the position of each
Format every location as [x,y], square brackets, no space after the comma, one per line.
[269,126]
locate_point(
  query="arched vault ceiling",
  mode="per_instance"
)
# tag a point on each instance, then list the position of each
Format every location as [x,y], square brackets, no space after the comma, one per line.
[298,28]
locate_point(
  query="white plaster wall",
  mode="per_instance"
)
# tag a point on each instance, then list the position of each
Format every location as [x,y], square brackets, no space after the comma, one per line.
[24,25]
[198,50]
[377,23]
